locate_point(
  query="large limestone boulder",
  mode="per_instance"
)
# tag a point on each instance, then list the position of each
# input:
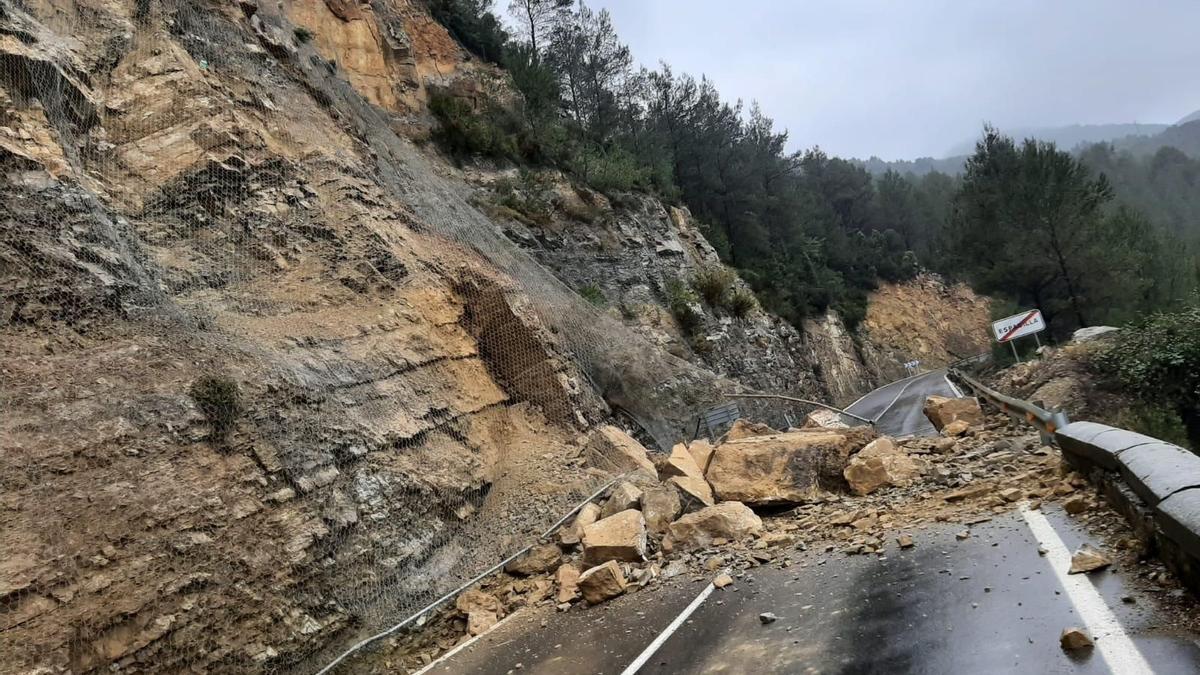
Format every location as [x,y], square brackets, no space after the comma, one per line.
[615,451]
[567,578]
[483,610]
[880,464]
[745,429]
[942,411]
[602,583]
[660,506]
[781,468]
[728,520]
[624,496]
[694,492]
[617,537]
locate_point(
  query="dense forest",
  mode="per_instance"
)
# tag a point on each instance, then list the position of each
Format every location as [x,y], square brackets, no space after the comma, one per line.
[1099,237]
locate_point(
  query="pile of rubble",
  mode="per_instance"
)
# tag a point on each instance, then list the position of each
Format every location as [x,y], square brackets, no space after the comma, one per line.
[824,488]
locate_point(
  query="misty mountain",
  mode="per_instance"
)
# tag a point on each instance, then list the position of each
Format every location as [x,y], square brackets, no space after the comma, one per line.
[1069,137]
[1194,117]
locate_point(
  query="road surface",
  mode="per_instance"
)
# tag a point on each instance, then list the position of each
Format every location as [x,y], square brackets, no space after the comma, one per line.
[896,408]
[990,603]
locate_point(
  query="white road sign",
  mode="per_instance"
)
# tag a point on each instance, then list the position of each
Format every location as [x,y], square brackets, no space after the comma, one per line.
[1017,325]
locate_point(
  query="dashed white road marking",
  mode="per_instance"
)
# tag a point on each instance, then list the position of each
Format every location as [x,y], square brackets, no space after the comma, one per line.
[1113,643]
[668,632]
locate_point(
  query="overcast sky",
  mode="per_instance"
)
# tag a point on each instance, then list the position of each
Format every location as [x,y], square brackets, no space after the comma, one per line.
[908,78]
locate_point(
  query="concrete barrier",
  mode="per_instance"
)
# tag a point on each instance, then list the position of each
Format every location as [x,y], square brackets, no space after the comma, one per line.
[1154,484]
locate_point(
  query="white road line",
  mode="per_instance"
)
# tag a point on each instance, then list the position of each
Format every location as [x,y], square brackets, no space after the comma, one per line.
[468,643]
[1113,643]
[889,406]
[668,632]
[957,392]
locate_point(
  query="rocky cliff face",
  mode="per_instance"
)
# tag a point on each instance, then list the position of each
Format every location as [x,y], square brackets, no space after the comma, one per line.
[224,190]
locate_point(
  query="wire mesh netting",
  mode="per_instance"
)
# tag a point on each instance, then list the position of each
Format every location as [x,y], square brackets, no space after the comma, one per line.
[272,383]
[269,383]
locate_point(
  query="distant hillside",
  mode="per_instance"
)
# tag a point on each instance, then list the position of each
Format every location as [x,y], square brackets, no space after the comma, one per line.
[1194,117]
[1184,137]
[1069,137]
[919,166]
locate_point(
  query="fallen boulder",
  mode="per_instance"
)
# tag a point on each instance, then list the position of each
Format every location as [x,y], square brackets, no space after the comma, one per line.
[728,520]
[624,496]
[942,411]
[701,451]
[615,451]
[602,583]
[745,429]
[878,465]
[781,468]
[680,463]
[660,506]
[479,621]
[540,558]
[618,537]
[567,578]
[570,535]
[694,492]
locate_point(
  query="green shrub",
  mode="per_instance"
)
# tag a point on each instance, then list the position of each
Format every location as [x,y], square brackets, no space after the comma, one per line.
[740,302]
[713,283]
[302,34]
[1158,359]
[529,195]
[219,401]
[593,294]
[1158,421]
[682,303]
[463,132]
[609,171]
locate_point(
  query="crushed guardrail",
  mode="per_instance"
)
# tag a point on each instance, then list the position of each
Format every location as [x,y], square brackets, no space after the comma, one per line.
[1154,484]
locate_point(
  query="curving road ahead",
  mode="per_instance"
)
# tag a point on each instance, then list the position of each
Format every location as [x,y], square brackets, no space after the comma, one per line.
[897,407]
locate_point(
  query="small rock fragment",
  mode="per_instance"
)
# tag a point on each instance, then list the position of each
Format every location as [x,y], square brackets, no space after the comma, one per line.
[767,617]
[722,580]
[905,541]
[601,583]
[1074,639]
[1088,559]
[1075,505]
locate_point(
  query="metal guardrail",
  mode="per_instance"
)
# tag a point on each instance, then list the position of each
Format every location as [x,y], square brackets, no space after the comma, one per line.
[1046,421]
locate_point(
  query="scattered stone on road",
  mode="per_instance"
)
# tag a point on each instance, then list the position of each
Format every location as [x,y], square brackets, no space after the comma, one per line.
[602,583]
[767,617]
[880,464]
[965,534]
[956,428]
[1074,639]
[722,580]
[1088,559]
[568,582]
[905,541]
[1075,505]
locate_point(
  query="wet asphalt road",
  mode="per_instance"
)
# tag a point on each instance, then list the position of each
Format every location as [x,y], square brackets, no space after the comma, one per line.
[896,408]
[987,604]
